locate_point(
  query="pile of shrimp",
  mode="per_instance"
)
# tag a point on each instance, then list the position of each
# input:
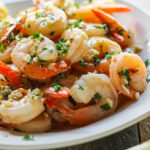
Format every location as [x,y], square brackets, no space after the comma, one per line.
[66,65]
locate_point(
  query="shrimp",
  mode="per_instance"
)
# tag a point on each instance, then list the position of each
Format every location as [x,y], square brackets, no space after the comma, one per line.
[9,28]
[4,25]
[89,87]
[90,29]
[84,11]
[50,21]
[98,56]
[128,74]
[21,106]
[41,123]
[116,32]
[73,45]
[36,57]
[8,76]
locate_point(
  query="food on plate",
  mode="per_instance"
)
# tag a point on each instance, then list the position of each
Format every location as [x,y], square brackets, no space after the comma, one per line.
[64,65]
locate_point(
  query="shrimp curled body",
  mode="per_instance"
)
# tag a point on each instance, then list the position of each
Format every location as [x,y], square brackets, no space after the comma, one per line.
[83,91]
[37,58]
[16,111]
[128,74]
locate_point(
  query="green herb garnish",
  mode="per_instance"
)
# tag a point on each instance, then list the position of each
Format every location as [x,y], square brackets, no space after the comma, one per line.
[105,107]
[56,111]
[96,60]
[56,86]
[52,33]
[5,95]
[35,36]
[125,73]
[76,5]
[29,25]
[147,62]
[2,48]
[37,16]
[80,87]
[148,77]
[83,63]
[62,47]
[28,137]
[97,96]
[75,24]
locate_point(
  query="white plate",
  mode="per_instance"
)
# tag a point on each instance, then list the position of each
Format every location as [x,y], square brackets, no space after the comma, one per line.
[137,21]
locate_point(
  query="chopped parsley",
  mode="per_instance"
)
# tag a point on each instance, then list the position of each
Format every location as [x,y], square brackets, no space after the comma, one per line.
[56,86]
[96,60]
[5,95]
[37,16]
[62,76]
[148,77]
[52,33]
[28,137]
[44,48]
[71,39]
[76,5]
[11,86]
[105,107]
[125,73]
[121,31]
[147,62]
[109,55]
[102,26]
[20,37]
[61,46]
[83,63]
[2,48]
[75,24]
[97,96]
[56,111]
[129,36]
[29,25]
[35,36]
[80,87]
[40,61]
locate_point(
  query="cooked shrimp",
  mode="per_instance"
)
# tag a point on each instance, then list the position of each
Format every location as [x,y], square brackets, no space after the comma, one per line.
[116,32]
[21,106]
[9,76]
[73,45]
[89,87]
[5,24]
[84,11]
[50,21]
[128,74]
[36,57]
[8,31]
[41,123]
[98,56]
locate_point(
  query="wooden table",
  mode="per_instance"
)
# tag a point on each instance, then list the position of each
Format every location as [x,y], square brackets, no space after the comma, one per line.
[119,141]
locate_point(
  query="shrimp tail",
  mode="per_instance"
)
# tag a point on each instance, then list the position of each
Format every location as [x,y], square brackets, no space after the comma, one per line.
[112,7]
[116,31]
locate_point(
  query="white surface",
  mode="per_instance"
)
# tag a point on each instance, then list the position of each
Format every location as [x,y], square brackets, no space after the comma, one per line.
[138,22]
